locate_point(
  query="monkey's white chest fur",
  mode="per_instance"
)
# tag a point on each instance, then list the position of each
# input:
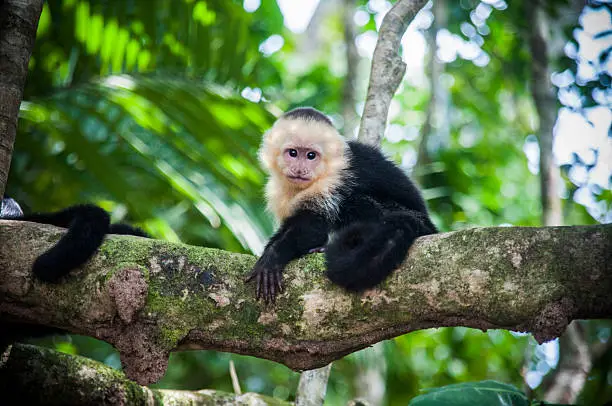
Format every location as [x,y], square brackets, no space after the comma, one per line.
[284,200]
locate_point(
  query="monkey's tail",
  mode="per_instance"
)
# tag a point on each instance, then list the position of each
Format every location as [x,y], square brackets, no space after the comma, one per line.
[126,229]
[363,254]
[87,225]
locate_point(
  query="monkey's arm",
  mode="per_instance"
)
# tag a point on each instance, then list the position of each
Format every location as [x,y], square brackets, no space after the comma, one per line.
[297,235]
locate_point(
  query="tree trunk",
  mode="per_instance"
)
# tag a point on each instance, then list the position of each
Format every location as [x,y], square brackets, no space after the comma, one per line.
[18,24]
[546,105]
[435,133]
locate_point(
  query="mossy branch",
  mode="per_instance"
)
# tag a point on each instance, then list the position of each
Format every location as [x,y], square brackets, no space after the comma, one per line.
[73,380]
[149,297]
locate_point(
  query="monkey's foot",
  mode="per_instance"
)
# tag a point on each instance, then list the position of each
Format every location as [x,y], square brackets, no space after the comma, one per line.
[316,250]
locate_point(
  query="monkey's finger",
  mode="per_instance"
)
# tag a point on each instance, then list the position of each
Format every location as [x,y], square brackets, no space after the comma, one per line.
[266,292]
[258,283]
[250,276]
[279,282]
[273,287]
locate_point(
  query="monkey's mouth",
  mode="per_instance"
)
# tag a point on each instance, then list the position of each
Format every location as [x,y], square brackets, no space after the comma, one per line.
[298,179]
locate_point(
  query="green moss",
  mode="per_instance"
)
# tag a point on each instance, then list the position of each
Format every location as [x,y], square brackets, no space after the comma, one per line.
[246,319]
[56,375]
[129,248]
[170,336]
[158,398]
[50,371]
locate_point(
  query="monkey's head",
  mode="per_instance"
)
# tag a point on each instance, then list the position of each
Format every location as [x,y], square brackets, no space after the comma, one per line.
[302,148]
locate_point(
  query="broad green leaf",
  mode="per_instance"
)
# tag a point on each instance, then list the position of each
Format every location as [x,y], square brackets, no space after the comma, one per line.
[490,393]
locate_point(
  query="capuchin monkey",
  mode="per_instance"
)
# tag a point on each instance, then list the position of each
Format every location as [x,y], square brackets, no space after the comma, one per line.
[342,198]
[87,226]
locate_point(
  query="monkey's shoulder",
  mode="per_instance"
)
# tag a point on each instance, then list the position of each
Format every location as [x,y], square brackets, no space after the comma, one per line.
[369,167]
[369,158]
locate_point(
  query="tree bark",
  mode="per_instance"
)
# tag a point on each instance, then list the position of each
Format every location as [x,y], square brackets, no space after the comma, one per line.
[62,379]
[148,297]
[18,24]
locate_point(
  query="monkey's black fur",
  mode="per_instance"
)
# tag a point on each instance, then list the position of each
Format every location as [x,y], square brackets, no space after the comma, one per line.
[87,226]
[308,113]
[380,214]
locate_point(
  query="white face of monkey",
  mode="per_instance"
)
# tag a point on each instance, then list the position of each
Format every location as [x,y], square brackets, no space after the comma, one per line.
[301,165]
[302,152]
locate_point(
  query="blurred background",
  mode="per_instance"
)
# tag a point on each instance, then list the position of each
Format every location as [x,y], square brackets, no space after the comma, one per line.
[154,110]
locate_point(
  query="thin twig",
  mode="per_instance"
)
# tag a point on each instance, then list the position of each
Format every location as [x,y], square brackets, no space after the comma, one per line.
[235,381]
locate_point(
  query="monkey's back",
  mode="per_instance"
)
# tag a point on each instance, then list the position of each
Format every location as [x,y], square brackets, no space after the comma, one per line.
[375,186]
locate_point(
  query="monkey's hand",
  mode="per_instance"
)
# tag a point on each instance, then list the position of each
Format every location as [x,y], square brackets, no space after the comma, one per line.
[268,279]
[296,237]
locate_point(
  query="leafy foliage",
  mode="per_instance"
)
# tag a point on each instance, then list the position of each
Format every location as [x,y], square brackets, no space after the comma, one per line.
[175,134]
[136,105]
[472,393]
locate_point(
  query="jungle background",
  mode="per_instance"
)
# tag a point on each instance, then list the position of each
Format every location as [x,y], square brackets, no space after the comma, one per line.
[154,109]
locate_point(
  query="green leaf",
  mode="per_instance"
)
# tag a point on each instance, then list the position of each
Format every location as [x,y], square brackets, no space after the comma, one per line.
[488,393]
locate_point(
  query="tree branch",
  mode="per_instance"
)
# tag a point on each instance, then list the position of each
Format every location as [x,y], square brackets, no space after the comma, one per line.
[72,380]
[18,23]
[387,70]
[148,297]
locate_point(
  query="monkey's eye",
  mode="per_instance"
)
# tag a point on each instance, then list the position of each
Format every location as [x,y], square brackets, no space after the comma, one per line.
[311,155]
[292,153]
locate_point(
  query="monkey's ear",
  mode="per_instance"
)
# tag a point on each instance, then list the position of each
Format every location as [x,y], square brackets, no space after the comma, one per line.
[269,150]
[262,152]
[335,144]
